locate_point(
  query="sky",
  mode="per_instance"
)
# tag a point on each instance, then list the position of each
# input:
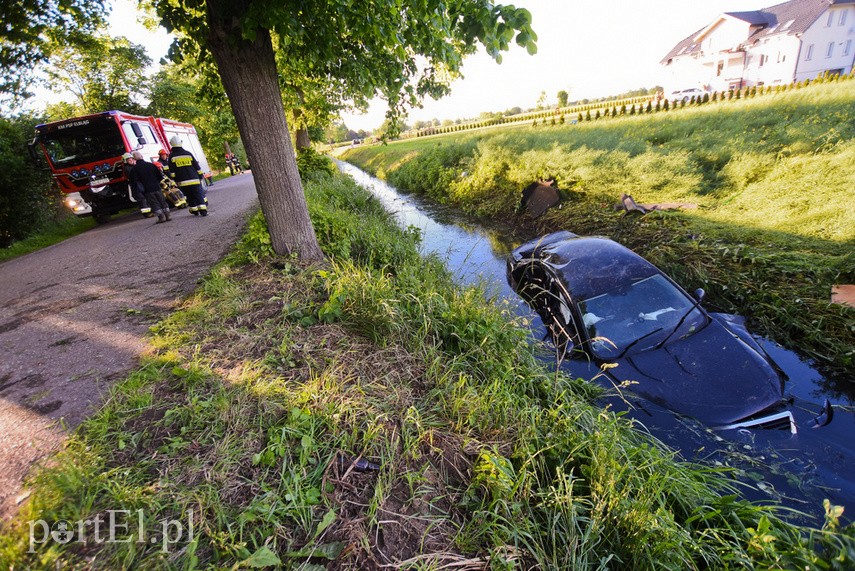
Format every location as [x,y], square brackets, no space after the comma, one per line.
[588,48]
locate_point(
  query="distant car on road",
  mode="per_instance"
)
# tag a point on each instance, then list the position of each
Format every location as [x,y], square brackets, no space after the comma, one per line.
[601,301]
[686,94]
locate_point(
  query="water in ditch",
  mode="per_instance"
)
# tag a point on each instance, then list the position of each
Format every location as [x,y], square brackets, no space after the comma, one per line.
[796,471]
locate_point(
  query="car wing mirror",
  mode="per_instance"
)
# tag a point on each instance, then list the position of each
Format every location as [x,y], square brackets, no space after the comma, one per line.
[700,294]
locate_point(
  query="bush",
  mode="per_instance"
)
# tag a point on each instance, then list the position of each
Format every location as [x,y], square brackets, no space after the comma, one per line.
[28,201]
[310,161]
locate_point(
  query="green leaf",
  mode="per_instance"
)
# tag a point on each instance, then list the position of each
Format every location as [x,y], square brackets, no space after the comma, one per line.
[263,557]
[327,521]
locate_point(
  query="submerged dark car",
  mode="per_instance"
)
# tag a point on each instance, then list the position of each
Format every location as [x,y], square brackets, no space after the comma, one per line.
[601,301]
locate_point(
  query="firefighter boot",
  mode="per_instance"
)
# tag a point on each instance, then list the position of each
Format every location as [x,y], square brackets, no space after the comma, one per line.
[167,215]
[160,217]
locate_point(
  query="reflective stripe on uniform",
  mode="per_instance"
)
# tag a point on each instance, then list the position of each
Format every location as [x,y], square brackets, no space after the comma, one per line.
[182,160]
[145,210]
[188,182]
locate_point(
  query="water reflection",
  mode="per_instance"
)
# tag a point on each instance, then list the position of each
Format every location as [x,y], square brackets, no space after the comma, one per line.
[797,470]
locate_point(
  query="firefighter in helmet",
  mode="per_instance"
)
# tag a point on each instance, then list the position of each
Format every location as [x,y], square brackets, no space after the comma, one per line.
[187,174]
[171,192]
[163,159]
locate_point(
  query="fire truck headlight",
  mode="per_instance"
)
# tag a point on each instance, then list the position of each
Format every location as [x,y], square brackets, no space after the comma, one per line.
[75,174]
[105,167]
[84,172]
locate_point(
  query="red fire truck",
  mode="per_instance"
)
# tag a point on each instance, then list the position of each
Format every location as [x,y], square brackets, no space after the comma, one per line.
[84,155]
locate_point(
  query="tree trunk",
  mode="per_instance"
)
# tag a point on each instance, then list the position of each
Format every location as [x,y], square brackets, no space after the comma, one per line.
[303,140]
[248,71]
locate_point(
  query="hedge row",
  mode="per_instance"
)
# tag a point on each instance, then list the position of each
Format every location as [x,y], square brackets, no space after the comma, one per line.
[633,106]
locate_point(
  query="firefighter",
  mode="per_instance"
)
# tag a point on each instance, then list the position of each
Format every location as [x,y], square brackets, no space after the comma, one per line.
[173,195]
[146,178]
[163,159]
[229,164]
[139,196]
[187,174]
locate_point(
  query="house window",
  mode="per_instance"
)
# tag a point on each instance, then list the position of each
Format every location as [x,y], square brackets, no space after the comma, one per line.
[830,19]
[847,47]
[830,50]
[809,54]
[719,69]
[842,19]
[762,59]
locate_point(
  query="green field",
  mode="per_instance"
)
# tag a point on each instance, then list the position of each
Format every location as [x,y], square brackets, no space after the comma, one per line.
[771,179]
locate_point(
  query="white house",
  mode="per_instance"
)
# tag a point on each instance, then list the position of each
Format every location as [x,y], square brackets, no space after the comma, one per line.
[788,42]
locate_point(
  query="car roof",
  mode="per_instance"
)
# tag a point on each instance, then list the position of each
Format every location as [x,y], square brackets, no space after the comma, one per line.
[587,265]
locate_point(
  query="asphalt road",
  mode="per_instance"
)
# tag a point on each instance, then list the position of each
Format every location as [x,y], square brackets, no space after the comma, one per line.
[73,318]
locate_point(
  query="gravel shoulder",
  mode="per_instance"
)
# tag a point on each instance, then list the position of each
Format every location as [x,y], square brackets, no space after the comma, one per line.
[74,316]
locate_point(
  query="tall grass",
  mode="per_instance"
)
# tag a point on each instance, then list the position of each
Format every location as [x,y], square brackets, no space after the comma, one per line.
[369,413]
[772,179]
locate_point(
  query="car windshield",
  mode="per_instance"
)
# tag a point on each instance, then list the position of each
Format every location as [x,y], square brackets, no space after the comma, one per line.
[638,316]
[76,145]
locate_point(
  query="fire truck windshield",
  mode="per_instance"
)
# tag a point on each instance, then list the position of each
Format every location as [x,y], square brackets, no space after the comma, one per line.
[79,144]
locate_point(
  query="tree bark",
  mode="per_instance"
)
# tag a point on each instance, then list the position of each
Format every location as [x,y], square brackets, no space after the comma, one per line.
[248,72]
[303,140]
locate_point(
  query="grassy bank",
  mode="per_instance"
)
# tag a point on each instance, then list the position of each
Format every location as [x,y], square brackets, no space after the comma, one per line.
[63,228]
[771,178]
[370,413]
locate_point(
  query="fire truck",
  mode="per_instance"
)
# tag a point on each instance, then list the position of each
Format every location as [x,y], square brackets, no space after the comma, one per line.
[84,155]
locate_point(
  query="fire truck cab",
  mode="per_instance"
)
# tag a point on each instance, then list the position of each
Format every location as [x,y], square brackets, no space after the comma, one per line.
[84,155]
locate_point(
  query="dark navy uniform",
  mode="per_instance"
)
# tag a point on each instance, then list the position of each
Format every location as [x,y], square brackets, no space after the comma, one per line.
[145,177]
[187,174]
